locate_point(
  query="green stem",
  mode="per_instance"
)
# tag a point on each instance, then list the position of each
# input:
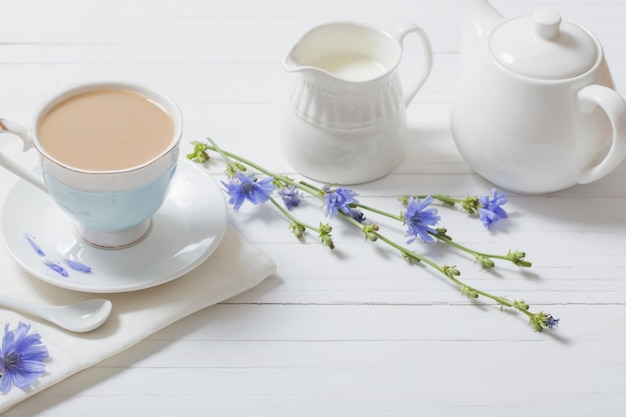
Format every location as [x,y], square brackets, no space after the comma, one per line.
[312,187]
[372,234]
[444,239]
[316,191]
[443,198]
[416,256]
[381,212]
[473,252]
[291,217]
[227,155]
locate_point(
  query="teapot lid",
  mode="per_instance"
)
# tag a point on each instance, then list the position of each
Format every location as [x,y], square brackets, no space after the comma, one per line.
[543,46]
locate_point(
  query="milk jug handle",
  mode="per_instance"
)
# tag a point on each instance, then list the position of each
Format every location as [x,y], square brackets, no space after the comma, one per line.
[613,104]
[7,126]
[425,65]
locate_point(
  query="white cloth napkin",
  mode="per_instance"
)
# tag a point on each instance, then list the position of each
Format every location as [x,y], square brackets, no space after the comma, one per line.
[234,267]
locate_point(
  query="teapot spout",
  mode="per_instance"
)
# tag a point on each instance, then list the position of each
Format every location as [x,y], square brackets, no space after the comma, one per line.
[479,16]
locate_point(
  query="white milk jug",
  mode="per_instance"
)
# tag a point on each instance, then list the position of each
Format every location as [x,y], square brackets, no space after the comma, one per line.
[345,121]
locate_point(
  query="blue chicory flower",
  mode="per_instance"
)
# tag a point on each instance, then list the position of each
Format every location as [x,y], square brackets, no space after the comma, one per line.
[419,219]
[291,196]
[22,356]
[551,322]
[357,215]
[247,187]
[490,209]
[339,200]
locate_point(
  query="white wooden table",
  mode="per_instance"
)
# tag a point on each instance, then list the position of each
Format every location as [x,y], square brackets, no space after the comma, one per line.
[357,331]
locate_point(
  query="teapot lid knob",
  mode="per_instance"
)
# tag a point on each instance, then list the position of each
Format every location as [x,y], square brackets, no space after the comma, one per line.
[547,23]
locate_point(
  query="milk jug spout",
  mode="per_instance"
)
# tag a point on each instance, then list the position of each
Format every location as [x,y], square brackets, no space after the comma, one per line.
[479,17]
[304,57]
[292,62]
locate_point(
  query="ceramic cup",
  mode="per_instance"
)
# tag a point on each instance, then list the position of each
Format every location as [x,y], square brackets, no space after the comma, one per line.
[111,208]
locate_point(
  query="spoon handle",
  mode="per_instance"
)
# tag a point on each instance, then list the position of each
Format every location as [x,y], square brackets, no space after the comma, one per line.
[23,306]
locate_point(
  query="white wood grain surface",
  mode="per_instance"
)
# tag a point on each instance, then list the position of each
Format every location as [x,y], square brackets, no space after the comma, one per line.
[357,331]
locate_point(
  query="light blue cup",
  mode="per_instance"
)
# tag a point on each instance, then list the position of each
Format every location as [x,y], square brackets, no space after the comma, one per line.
[111,209]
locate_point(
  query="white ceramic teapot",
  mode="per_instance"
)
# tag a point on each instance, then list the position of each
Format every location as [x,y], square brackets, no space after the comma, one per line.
[535,110]
[345,120]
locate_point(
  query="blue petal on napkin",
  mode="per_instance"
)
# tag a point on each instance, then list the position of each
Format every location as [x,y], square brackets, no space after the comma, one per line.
[234,267]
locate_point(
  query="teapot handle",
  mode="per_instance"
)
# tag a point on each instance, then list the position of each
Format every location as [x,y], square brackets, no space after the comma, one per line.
[425,64]
[613,104]
[7,126]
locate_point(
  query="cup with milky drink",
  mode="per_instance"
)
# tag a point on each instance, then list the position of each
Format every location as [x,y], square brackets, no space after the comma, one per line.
[108,152]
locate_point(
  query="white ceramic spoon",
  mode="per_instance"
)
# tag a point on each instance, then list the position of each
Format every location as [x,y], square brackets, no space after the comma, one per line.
[84,316]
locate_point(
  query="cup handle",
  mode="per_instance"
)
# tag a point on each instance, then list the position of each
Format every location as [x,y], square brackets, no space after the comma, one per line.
[426,63]
[7,126]
[613,104]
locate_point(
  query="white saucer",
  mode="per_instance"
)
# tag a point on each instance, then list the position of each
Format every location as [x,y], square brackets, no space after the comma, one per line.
[184,232]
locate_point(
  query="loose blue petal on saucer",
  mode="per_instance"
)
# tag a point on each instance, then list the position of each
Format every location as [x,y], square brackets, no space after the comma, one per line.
[164,255]
[78,266]
[56,268]
[33,245]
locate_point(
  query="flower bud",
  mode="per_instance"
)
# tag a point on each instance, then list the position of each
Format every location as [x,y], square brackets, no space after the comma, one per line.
[230,172]
[324,231]
[410,259]
[199,153]
[297,229]
[443,233]
[536,324]
[470,204]
[451,270]
[469,291]
[485,261]
[516,255]
[370,232]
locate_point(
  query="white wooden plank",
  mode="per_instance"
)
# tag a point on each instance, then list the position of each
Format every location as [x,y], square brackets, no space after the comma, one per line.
[355,332]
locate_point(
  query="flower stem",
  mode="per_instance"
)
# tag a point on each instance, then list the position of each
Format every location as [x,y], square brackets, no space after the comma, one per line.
[449,272]
[443,198]
[482,257]
[381,212]
[227,155]
[538,320]
[291,217]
